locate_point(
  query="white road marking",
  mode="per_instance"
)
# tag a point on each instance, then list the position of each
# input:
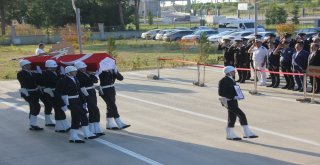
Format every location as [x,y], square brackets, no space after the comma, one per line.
[99,140]
[220,120]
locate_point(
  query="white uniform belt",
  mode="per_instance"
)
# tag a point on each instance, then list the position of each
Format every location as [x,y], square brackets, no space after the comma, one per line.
[87,88]
[107,86]
[73,97]
[32,90]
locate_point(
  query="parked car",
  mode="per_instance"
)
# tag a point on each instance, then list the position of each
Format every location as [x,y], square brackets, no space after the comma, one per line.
[215,37]
[196,35]
[263,34]
[236,36]
[163,32]
[150,34]
[200,28]
[184,18]
[306,30]
[176,35]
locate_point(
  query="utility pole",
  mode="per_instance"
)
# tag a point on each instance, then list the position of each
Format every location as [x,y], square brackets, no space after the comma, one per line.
[77,11]
[255,17]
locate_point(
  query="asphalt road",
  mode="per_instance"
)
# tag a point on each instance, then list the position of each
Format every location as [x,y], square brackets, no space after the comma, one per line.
[173,122]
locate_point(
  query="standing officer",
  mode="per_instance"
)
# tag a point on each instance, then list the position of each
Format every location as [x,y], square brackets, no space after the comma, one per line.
[259,56]
[273,65]
[108,94]
[69,96]
[299,65]
[241,60]
[314,60]
[50,78]
[227,90]
[228,54]
[86,82]
[29,91]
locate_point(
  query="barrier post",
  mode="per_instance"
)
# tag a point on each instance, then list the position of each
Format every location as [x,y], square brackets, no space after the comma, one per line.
[255,90]
[158,67]
[313,89]
[198,73]
[204,76]
[304,85]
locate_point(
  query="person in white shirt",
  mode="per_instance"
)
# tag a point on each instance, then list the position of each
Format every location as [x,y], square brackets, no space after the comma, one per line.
[259,57]
[40,50]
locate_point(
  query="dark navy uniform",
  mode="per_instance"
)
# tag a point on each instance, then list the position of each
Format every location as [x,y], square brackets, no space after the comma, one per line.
[314,60]
[228,55]
[241,61]
[86,82]
[274,65]
[286,66]
[107,79]
[43,97]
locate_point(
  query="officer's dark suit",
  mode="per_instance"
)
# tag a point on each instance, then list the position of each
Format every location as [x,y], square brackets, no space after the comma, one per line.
[50,80]
[226,89]
[109,96]
[274,65]
[66,86]
[299,65]
[241,60]
[314,60]
[286,66]
[228,55]
[27,80]
[87,80]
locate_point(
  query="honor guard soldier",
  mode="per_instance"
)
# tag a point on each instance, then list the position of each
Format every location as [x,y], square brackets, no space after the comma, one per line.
[29,91]
[241,60]
[50,78]
[86,82]
[108,94]
[228,54]
[69,95]
[231,93]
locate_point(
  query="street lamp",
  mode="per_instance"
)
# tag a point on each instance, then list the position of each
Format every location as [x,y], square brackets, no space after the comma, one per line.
[77,12]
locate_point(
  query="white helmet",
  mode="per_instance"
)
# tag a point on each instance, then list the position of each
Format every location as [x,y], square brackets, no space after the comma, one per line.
[69,69]
[80,65]
[228,69]
[51,64]
[24,62]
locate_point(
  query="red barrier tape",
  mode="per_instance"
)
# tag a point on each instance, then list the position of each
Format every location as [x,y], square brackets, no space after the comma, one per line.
[217,66]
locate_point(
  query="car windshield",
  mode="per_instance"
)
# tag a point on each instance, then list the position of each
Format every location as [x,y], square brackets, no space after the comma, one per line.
[249,25]
[197,32]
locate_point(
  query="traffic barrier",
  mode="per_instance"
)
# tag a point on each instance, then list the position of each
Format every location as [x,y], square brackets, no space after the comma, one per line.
[255,90]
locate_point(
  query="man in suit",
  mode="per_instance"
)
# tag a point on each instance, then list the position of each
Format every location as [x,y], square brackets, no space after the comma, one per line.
[30,92]
[314,60]
[228,92]
[299,65]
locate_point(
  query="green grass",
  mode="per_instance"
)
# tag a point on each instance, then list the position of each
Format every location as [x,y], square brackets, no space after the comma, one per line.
[130,55]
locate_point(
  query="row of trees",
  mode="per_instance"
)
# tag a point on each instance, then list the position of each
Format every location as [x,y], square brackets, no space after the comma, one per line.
[57,13]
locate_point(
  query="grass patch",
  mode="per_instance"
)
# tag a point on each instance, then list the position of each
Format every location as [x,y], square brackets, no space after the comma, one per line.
[131,54]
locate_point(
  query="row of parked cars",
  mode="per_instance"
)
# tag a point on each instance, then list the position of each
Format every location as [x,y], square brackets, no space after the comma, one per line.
[214,36]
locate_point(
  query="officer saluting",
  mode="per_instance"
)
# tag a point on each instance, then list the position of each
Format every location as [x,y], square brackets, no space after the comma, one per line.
[228,52]
[108,94]
[230,94]
[86,81]
[69,96]
[29,91]
[50,78]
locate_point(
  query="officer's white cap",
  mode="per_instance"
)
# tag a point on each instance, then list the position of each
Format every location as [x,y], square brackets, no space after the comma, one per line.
[69,69]
[51,64]
[24,62]
[80,65]
[228,69]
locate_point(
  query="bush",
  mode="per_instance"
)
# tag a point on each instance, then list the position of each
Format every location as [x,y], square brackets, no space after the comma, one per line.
[285,28]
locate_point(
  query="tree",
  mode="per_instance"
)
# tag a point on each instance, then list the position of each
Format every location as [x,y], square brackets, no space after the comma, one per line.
[136,13]
[276,15]
[150,18]
[294,12]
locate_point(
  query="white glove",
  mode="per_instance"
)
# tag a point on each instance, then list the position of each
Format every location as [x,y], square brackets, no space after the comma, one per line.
[85,105]
[236,97]
[64,108]
[38,69]
[62,71]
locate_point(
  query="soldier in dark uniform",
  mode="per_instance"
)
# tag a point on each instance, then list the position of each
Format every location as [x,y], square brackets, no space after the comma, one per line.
[86,81]
[286,54]
[241,60]
[228,54]
[314,60]
[29,91]
[69,96]
[108,94]
[273,65]
[50,78]
[228,92]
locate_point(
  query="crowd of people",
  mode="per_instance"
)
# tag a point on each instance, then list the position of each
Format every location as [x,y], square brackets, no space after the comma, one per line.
[287,54]
[70,88]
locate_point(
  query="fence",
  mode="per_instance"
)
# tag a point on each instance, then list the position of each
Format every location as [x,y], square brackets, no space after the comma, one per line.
[255,88]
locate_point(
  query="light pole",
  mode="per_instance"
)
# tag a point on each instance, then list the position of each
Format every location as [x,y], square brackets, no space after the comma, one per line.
[255,17]
[77,11]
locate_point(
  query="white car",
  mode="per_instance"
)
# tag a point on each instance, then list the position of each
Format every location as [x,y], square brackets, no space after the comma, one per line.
[162,32]
[263,34]
[151,34]
[236,36]
[196,35]
[215,37]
